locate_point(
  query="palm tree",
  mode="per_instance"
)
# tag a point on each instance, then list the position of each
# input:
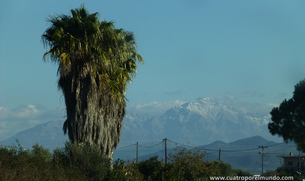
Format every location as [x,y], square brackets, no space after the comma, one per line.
[96,62]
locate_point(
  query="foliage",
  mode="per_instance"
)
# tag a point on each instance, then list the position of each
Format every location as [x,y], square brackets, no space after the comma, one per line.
[84,162]
[123,172]
[70,163]
[188,164]
[40,154]
[17,163]
[217,168]
[151,168]
[240,172]
[84,158]
[288,120]
[81,39]
[96,62]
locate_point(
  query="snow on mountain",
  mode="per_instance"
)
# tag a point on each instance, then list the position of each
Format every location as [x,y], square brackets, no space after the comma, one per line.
[133,127]
[206,120]
[203,120]
[205,107]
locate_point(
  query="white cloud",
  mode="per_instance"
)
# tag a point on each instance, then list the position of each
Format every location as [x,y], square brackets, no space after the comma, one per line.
[252,107]
[154,108]
[25,117]
[4,112]
[29,111]
[248,101]
[22,112]
[237,95]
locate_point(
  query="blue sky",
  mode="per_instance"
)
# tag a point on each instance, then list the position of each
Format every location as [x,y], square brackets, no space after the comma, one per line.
[247,53]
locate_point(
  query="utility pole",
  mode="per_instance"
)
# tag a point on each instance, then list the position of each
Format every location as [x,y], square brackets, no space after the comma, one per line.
[219,154]
[165,140]
[137,153]
[262,147]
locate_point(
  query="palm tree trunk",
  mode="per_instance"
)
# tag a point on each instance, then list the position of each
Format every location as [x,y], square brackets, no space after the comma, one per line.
[94,116]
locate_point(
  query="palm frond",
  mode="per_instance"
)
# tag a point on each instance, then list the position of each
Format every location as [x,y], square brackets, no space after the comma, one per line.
[96,62]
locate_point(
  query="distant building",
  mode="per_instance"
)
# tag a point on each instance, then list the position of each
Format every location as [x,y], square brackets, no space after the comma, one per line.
[294,164]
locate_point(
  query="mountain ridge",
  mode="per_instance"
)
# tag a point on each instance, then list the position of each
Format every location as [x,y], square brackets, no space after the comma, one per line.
[201,120]
[237,154]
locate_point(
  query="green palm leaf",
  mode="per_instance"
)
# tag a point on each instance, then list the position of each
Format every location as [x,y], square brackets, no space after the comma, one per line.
[96,62]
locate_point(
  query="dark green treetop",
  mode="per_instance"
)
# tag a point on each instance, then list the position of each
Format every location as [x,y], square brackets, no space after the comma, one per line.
[288,120]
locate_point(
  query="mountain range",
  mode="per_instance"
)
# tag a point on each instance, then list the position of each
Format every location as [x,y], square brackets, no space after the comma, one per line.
[203,121]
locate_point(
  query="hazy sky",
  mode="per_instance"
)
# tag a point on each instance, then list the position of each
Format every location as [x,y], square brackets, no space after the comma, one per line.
[232,50]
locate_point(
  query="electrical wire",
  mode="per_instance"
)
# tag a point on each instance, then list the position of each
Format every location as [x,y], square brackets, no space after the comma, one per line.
[276,144]
[183,145]
[250,149]
[187,146]
[206,149]
[126,147]
[151,146]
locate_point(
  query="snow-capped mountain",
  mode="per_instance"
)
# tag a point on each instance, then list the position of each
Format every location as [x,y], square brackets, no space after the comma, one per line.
[203,120]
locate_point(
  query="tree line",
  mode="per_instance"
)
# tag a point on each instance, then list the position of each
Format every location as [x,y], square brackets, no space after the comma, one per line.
[84,162]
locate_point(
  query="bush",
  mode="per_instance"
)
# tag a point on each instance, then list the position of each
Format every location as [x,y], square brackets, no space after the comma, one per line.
[86,159]
[41,155]
[240,172]
[188,164]
[151,168]
[84,162]
[17,163]
[70,163]
[123,172]
[217,168]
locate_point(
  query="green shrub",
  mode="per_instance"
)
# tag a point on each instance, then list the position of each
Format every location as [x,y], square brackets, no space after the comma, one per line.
[75,163]
[123,172]
[84,162]
[188,164]
[151,168]
[217,168]
[17,163]
[41,155]
[87,159]
[240,172]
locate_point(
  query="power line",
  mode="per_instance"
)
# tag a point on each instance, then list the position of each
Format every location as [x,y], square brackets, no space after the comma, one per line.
[121,148]
[179,144]
[223,150]
[250,149]
[206,149]
[151,146]
[276,144]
